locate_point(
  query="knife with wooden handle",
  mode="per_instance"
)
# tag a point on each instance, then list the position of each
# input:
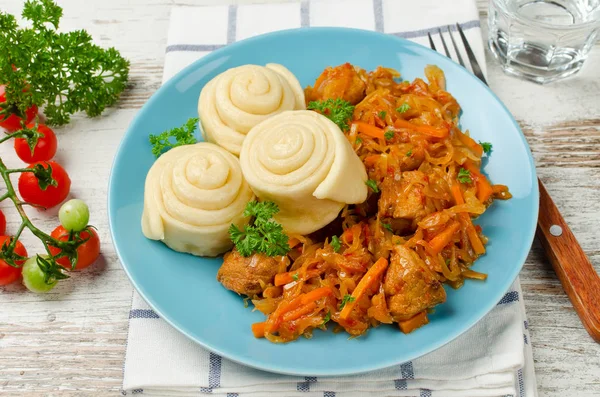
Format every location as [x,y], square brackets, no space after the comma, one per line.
[575,271]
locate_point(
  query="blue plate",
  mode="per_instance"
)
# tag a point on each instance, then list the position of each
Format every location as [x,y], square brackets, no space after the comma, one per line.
[182,288]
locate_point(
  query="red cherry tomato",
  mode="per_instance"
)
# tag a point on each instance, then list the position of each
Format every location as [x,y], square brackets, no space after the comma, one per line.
[9,274]
[87,253]
[32,193]
[45,147]
[13,122]
[2,223]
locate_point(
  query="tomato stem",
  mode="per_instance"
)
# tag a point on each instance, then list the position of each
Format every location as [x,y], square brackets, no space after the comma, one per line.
[18,234]
[14,170]
[48,249]
[9,136]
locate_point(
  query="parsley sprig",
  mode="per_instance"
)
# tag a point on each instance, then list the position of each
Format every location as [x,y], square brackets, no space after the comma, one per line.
[63,72]
[346,299]
[262,235]
[464,176]
[405,107]
[487,147]
[335,243]
[337,110]
[372,185]
[183,135]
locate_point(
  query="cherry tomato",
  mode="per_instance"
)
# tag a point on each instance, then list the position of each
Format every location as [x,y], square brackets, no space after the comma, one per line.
[44,149]
[87,253]
[13,122]
[2,223]
[74,215]
[9,274]
[34,278]
[32,193]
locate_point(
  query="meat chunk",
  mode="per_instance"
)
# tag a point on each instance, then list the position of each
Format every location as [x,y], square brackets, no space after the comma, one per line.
[410,286]
[341,81]
[244,274]
[403,198]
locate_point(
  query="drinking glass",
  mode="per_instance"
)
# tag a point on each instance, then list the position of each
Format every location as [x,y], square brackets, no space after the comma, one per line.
[543,40]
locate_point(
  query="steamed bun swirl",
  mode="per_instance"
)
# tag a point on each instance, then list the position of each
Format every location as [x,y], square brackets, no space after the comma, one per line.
[193,193]
[303,162]
[239,98]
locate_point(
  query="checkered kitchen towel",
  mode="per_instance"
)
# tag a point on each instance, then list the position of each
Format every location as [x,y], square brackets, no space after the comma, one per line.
[492,359]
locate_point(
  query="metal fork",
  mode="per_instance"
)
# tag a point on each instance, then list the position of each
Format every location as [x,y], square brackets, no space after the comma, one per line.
[574,270]
[474,65]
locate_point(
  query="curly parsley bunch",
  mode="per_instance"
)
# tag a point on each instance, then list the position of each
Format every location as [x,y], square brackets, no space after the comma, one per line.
[63,72]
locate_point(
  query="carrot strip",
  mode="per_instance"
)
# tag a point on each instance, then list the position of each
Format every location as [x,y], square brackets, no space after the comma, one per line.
[258,329]
[299,312]
[444,237]
[370,130]
[470,143]
[501,192]
[292,242]
[471,232]
[288,277]
[272,292]
[457,194]
[368,279]
[371,160]
[413,323]
[348,235]
[288,306]
[484,188]
[423,129]
[283,279]
[499,189]
[427,247]
[274,320]
[315,294]
[277,317]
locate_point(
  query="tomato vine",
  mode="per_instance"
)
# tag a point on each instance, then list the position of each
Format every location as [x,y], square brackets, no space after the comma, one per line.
[51,269]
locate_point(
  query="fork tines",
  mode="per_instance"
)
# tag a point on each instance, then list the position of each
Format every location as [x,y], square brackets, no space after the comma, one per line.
[472,60]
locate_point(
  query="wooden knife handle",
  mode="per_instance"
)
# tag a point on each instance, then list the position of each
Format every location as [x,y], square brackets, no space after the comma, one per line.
[575,271]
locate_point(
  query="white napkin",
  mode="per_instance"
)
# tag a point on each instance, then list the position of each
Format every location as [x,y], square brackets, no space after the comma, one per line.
[492,359]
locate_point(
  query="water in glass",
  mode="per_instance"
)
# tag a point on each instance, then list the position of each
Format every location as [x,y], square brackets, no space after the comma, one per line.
[543,40]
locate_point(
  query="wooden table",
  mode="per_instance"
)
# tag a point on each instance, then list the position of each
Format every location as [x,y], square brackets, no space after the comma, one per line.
[71,342]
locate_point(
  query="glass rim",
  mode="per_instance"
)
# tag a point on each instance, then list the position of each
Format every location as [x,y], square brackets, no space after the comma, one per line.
[593,23]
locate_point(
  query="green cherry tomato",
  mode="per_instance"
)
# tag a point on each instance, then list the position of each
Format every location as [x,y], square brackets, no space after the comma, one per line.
[33,277]
[74,215]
